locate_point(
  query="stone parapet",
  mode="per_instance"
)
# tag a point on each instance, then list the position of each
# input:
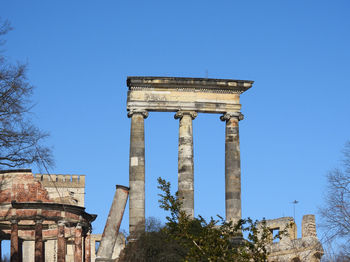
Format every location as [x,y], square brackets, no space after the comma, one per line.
[55,180]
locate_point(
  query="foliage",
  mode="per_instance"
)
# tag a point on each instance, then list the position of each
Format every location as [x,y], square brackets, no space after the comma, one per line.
[194,240]
[335,213]
[20,140]
[153,245]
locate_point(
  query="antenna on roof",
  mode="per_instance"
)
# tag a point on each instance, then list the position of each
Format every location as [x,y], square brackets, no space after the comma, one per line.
[294,203]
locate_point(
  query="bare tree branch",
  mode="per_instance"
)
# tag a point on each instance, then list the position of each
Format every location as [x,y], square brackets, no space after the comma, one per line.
[336,211]
[21,143]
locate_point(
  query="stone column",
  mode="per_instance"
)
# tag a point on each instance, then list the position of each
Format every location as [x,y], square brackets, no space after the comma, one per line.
[232,167]
[39,254]
[185,161]
[115,216]
[78,244]
[137,172]
[61,242]
[87,246]
[14,241]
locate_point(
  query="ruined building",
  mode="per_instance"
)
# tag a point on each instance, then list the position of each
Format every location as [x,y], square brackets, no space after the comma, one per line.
[290,248]
[44,217]
[187,97]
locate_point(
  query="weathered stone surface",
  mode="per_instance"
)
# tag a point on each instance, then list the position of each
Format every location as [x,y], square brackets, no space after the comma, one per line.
[186,97]
[189,94]
[118,247]
[137,172]
[308,226]
[290,248]
[71,188]
[185,161]
[115,216]
[232,167]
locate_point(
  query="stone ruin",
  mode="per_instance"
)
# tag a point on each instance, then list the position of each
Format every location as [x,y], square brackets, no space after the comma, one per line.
[44,215]
[290,248]
[44,218]
[187,97]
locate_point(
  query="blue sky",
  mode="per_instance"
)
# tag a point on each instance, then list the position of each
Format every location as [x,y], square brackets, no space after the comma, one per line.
[79,54]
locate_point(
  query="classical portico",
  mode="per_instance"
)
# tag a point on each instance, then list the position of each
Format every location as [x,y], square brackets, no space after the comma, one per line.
[186,97]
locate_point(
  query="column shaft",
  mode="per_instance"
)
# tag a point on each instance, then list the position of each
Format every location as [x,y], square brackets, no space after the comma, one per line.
[39,254]
[185,162]
[115,216]
[137,173]
[88,247]
[232,168]
[61,243]
[78,244]
[14,242]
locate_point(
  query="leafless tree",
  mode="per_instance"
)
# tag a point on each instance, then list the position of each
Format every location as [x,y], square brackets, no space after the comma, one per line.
[335,213]
[20,141]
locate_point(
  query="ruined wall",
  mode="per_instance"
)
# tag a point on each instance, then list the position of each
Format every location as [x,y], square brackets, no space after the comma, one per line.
[21,187]
[71,188]
[290,248]
[24,186]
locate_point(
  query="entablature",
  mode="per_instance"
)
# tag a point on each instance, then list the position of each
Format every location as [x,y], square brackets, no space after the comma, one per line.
[171,94]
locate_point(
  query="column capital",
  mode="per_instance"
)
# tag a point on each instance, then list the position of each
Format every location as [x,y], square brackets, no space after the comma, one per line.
[179,114]
[143,112]
[227,116]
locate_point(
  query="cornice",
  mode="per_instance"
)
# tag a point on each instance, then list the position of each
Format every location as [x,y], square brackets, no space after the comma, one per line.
[189,84]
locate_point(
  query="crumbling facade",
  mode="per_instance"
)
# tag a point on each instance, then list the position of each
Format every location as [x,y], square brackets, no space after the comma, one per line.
[290,248]
[44,217]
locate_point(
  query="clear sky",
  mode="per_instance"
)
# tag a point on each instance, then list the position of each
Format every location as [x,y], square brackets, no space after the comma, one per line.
[79,54]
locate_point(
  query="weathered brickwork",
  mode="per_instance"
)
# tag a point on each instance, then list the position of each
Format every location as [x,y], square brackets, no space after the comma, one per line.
[31,208]
[22,189]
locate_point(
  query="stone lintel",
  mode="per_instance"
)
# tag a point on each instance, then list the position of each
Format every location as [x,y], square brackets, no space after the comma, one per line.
[171,94]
